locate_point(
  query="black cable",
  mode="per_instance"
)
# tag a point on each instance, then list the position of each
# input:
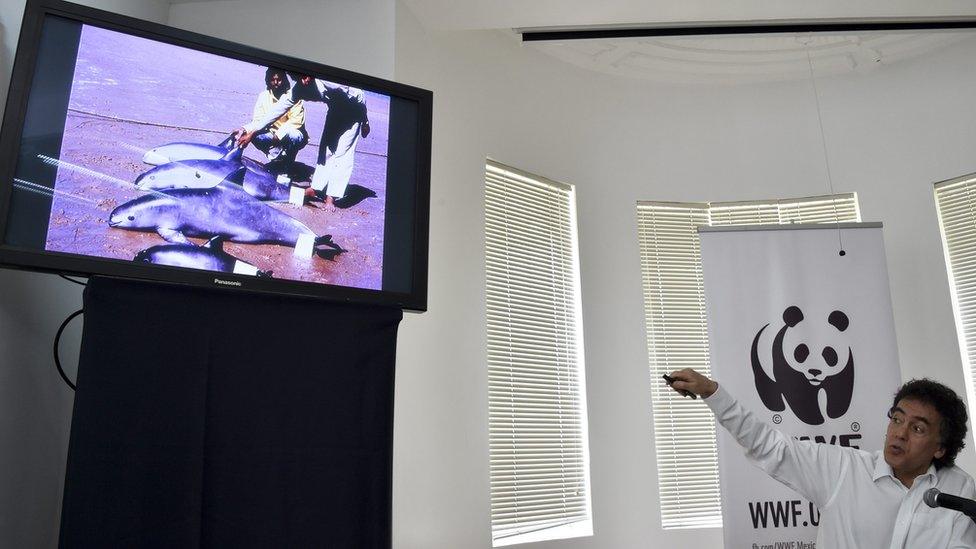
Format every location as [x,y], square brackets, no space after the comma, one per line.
[69,279]
[57,341]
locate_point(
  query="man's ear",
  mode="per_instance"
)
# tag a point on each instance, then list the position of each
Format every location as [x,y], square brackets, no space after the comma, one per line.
[940,452]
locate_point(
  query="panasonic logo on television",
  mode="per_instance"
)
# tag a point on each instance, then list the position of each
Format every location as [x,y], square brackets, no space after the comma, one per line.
[226,282]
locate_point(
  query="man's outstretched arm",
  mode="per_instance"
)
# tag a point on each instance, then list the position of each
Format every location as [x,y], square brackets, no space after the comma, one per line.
[813,470]
[275,111]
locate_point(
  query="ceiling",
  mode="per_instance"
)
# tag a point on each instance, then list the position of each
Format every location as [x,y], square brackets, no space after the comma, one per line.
[511,14]
[708,59]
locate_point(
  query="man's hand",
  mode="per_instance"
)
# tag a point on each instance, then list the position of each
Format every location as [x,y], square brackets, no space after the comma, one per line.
[690,380]
[243,137]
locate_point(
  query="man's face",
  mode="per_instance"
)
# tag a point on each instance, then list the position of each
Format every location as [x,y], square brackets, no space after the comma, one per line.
[305,79]
[276,81]
[913,439]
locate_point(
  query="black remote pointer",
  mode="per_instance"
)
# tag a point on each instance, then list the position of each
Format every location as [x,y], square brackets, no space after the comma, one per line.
[669,380]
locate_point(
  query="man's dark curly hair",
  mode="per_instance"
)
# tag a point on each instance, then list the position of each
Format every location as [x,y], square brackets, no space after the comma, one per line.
[945,401]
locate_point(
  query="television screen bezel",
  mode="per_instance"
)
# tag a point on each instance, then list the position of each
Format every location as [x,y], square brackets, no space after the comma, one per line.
[79,265]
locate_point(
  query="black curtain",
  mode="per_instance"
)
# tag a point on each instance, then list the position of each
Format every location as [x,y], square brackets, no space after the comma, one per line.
[208,418]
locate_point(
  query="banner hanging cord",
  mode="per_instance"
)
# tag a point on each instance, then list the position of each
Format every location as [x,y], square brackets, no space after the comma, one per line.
[823,142]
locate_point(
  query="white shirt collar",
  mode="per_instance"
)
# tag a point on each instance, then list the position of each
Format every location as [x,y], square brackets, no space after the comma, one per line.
[883,469]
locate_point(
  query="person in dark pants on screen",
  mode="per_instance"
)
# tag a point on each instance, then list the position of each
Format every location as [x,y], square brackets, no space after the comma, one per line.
[867,500]
[345,122]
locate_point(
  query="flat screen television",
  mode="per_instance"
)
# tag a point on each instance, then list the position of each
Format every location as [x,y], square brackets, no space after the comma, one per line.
[133,149]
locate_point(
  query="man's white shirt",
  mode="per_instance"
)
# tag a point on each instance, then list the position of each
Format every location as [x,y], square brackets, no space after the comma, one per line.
[862,504]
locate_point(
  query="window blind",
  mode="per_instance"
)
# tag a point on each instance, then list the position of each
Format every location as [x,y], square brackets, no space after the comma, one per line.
[677,337]
[956,203]
[536,405]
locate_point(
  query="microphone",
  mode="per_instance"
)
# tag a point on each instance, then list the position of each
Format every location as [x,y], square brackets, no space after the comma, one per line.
[934,498]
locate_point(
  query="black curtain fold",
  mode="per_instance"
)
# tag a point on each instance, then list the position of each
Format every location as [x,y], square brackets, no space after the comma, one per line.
[206,418]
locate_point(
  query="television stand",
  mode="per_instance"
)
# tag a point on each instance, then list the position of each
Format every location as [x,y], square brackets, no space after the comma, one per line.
[217,418]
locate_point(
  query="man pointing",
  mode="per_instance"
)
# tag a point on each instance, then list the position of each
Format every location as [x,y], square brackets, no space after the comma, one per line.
[867,500]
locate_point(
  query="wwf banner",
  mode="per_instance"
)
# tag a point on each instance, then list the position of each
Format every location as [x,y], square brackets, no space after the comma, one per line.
[804,337]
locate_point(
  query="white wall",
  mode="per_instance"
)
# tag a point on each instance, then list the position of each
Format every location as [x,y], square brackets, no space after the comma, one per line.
[357,35]
[891,133]
[35,405]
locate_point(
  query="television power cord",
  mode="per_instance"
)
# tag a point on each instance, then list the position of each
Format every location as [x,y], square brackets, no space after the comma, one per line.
[57,338]
[69,279]
[57,341]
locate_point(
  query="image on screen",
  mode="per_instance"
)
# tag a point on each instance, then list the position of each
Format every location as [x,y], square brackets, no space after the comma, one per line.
[151,170]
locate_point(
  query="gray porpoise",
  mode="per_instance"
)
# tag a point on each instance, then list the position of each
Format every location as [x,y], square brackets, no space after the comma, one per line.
[222,210]
[205,174]
[183,150]
[209,257]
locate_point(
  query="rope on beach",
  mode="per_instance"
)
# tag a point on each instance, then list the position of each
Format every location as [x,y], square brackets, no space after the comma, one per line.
[175,127]
[145,123]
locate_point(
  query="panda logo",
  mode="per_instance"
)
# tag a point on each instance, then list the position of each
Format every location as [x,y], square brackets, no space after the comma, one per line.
[802,373]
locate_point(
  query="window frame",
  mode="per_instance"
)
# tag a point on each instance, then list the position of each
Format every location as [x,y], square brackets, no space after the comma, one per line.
[965,331]
[503,445]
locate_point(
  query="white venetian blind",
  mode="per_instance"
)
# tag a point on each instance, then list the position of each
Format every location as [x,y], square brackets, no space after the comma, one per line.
[537,417]
[677,337]
[956,202]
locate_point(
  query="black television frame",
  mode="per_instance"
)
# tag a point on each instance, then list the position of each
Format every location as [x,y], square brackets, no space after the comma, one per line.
[79,265]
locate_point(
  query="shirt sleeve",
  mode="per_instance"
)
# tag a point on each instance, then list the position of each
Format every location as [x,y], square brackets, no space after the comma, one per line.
[813,470]
[358,95]
[272,113]
[355,94]
[259,107]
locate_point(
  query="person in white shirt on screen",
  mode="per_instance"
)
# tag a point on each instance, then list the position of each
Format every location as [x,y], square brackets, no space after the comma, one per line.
[867,500]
